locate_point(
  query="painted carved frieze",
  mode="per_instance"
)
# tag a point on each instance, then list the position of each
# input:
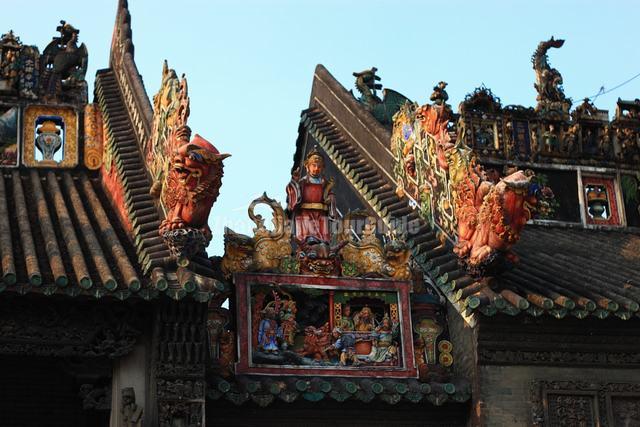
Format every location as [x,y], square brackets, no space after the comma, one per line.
[303,325]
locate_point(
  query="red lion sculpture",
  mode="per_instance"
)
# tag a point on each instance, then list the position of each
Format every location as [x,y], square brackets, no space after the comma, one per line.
[192,186]
[489,216]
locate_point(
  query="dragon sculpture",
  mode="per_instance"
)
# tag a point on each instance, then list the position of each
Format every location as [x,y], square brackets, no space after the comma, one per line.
[367,254]
[266,249]
[548,83]
[382,109]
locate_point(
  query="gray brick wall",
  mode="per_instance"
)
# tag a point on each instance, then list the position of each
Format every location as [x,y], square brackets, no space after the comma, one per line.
[505,391]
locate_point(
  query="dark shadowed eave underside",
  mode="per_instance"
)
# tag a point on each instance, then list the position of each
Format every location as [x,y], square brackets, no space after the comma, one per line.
[264,391]
[562,271]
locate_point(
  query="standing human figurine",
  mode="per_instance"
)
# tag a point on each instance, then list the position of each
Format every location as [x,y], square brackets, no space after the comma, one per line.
[346,322]
[310,200]
[269,332]
[131,412]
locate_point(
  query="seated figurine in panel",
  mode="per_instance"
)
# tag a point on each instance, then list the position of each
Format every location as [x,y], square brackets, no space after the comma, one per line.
[384,347]
[364,320]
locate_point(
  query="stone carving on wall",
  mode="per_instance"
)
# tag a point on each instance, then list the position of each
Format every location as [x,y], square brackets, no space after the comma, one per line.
[187,414]
[581,403]
[182,350]
[95,398]
[66,330]
[180,389]
[132,413]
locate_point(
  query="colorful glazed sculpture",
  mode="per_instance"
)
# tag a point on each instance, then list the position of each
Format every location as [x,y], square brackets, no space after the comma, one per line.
[48,141]
[485,218]
[193,186]
[318,257]
[384,347]
[490,216]
[382,109]
[316,342]
[310,200]
[366,254]
[264,251]
[551,97]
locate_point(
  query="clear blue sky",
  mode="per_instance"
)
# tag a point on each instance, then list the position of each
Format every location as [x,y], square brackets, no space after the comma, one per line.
[250,64]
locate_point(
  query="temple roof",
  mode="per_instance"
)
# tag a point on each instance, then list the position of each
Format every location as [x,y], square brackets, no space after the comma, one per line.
[562,271]
[59,237]
[77,212]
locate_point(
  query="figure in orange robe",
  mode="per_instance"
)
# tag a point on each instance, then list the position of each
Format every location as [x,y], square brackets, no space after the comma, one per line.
[310,200]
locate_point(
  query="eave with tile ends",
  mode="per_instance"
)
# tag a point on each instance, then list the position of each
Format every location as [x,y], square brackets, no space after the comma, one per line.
[264,391]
